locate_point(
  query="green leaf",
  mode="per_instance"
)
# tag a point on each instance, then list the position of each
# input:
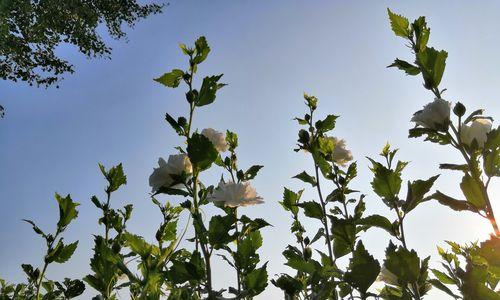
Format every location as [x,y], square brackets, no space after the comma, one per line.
[252,172]
[312,209]
[202,50]
[422,33]
[114,176]
[405,66]
[453,203]
[306,178]
[201,152]
[290,200]
[137,244]
[432,64]
[171,79]
[327,124]
[167,232]
[182,271]
[377,221]
[442,277]
[218,230]
[61,253]
[343,235]
[66,252]
[399,24]
[67,211]
[491,162]
[403,263]
[416,192]
[473,192]
[232,140]
[174,124]
[246,254]
[297,262]
[208,90]
[74,288]
[437,284]
[363,269]
[289,285]
[256,280]
[36,229]
[386,182]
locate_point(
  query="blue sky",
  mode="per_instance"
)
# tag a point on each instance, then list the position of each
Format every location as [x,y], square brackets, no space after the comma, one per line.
[111,111]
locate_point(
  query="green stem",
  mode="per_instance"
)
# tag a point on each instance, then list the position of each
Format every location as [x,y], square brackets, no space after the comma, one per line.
[325,219]
[49,249]
[403,241]
[238,271]
[204,250]
[477,177]
[106,210]
[39,283]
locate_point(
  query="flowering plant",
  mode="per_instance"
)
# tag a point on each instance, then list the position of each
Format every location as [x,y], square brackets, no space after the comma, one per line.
[329,259]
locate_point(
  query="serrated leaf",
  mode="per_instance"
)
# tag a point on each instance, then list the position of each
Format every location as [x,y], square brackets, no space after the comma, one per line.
[115,177]
[306,178]
[439,285]
[363,269]
[442,277]
[416,192]
[251,172]
[403,263]
[36,229]
[288,284]
[405,66]
[171,79]
[326,124]
[66,252]
[218,230]
[256,280]
[202,50]
[377,221]
[312,209]
[290,200]
[67,211]
[473,192]
[399,24]
[433,63]
[208,90]
[201,152]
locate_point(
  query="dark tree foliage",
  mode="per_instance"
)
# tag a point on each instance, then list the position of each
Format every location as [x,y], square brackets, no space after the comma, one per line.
[31,31]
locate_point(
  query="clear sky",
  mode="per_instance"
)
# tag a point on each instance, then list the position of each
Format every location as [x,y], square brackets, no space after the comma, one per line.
[111,111]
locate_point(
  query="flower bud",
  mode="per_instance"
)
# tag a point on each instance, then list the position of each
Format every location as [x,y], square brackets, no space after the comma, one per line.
[307,253]
[459,109]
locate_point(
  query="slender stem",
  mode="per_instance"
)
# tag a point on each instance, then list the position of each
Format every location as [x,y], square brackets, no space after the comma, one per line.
[106,210]
[238,271]
[403,241]
[204,250]
[49,249]
[39,283]
[484,187]
[325,219]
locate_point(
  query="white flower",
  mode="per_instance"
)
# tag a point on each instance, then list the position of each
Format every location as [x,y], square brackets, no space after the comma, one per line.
[218,139]
[477,130]
[236,194]
[176,165]
[340,154]
[434,115]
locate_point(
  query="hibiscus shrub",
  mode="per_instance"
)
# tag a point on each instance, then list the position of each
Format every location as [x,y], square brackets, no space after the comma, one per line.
[329,260]
[479,145]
